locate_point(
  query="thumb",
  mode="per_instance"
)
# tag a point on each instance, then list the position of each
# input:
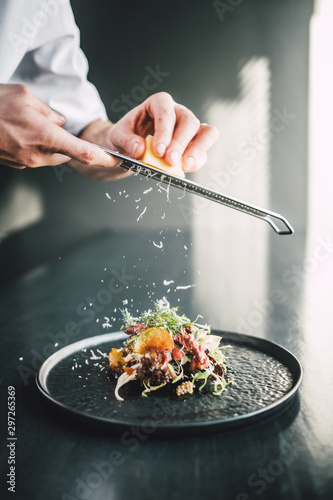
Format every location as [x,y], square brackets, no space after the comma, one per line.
[123,137]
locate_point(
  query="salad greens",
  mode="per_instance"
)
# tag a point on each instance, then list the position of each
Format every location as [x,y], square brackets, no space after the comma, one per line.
[163,316]
[166,348]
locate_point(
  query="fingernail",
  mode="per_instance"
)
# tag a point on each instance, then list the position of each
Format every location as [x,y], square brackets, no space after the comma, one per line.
[134,148]
[110,162]
[160,149]
[188,162]
[174,156]
[60,117]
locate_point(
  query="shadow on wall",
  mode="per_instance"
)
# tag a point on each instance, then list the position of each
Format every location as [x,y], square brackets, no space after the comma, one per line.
[194,50]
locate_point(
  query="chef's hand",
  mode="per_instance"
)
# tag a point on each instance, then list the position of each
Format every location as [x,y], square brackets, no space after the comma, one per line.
[31,133]
[176,130]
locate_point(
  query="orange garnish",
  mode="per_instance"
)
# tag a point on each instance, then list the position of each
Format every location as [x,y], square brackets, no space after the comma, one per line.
[153,338]
[116,357]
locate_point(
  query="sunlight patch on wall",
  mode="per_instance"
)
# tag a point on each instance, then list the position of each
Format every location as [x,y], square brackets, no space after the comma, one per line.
[231,248]
[318,263]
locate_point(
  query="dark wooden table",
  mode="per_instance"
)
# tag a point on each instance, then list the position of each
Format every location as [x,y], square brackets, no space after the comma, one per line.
[288,456]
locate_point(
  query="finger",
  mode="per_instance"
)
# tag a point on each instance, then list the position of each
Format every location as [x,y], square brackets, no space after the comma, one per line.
[203,140]
[200,162]
[46,159]
[161,108]
[186,128]
[61,141]
[34,102]
[57,159]
[100,173]
[123,137]
[56,117]
[13,164]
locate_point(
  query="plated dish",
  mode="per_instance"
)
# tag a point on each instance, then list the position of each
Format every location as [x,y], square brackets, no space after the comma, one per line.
[75,380]
[166,349]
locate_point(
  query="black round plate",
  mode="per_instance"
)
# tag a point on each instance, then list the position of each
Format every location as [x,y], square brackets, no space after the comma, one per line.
[265,378]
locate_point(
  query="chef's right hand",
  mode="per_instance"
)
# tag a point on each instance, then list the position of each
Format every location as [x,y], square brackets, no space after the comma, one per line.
[31,134]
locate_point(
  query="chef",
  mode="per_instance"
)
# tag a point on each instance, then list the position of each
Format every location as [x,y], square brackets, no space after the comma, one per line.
[51,114]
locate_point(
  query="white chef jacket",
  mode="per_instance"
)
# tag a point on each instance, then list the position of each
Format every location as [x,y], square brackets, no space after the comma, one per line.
[39,46]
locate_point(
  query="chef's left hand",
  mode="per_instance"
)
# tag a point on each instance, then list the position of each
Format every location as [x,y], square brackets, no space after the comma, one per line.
[176,130]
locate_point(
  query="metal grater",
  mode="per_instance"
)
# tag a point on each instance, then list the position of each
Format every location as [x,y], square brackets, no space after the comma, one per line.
[276,221]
